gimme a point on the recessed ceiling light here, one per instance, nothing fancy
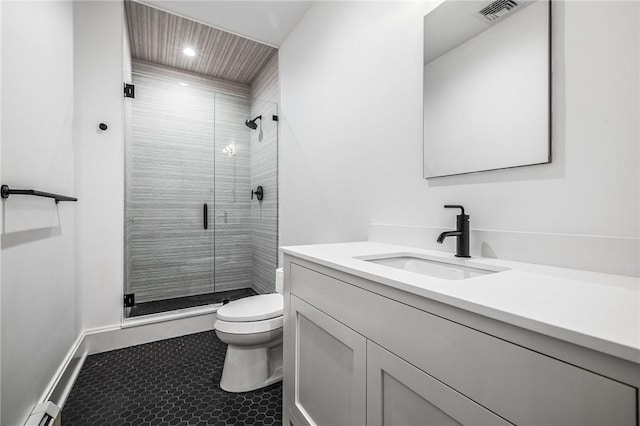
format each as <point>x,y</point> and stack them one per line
<point>181,83</point>
<point>189,51</point>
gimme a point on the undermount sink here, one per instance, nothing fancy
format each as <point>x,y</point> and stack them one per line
<point>433,267</point>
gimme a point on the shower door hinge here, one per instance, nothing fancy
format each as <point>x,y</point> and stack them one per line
<point>129,91</point>
<point>129,300</point>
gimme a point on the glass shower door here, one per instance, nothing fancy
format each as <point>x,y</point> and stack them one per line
<point>169,201</point>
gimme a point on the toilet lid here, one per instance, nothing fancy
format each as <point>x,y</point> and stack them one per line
<point>254,308</point>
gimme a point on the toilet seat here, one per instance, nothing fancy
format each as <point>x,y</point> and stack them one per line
<point>255,314</point>
<point>253,308</point>
<point>250,327</point>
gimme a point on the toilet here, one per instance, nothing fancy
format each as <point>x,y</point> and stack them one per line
<point>252,329</point>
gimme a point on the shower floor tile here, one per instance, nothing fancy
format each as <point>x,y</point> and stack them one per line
<point>166,305</point>
<point>170,382</point>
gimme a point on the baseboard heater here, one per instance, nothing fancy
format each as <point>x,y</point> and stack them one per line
<point>45,414</point>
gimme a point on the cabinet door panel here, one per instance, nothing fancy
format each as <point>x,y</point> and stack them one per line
<point>400,394</point>
<point>330,365</point>
<point>402,405</point>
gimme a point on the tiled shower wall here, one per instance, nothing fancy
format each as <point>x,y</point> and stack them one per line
<point>170,163</point>
<point>265,92</point>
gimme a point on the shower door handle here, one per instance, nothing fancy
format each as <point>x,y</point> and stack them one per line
<point>205,215</point>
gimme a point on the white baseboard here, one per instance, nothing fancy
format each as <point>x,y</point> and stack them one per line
<point>612,255</point>
<point>60,386</point>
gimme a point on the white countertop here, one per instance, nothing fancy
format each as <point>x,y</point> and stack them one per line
<point>594,310</point>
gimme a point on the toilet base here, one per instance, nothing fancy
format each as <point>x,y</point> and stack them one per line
<point>250,368</point>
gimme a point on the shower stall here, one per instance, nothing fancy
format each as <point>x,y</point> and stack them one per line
<point>195,231</point>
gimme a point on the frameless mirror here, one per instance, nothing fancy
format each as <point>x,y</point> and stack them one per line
<point>487,80</point>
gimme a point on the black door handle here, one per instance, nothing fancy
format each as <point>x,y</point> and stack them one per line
<point>205,215</point>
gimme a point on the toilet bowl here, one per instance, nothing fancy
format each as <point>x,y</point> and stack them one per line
<point>252,329</point>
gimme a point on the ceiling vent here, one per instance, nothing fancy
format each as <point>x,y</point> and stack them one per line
<point>498,9</point>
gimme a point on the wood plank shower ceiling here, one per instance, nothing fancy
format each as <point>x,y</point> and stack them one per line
<point>159,37</point>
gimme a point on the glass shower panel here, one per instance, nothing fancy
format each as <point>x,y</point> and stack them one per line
<point>232,195</point>
<point>169,179</point>
<point>246,228</point>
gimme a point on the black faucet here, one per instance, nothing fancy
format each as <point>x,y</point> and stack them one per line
<point>461,233</point>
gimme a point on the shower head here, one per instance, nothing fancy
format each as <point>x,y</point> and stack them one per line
<point>252,123</point>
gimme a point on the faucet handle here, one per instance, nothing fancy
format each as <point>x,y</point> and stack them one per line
<point>455,206</point>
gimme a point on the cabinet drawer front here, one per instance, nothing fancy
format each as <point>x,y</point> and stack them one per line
<point>520,385</point>
<point>330,365</point>
<point>400,394</point>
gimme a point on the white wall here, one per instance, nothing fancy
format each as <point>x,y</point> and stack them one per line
<point>352,139</point>
<point>38,242</point>
<point>98,66</point>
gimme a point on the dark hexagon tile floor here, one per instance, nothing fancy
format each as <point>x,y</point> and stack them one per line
<point>170,382</point>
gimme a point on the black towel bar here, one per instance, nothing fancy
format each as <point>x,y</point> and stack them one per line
<point>5,191</point>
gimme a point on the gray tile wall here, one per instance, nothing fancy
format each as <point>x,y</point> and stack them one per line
<point>170,159</point>
<point>266,85</point>
<point>151,69</point>
<point>177,160</point>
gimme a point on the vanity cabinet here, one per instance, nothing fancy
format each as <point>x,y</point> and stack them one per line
<point>359,353</point>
